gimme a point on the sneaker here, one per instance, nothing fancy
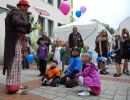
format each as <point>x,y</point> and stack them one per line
<point>92,93</point>
<point>44,83</point>
<point>116,75</point>
<point>22,92</point>
<point>104,72</point>
<point>127,73</point>
<point>84,93</point>
<point>120,74</point>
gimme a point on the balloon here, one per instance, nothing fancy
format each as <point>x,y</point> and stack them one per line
<point>65,7</point>
<point>30,58</point>
<point>78,13</point>
<point>83,9</point>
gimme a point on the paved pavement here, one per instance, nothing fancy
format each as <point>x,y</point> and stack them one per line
<point>112,88</point>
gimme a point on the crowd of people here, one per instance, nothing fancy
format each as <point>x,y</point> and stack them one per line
<point>81,70</point>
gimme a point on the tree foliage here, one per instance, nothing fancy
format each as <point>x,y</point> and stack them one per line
<point>110,29</point>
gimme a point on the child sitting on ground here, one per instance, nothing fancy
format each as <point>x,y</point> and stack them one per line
<point>75,66</point>
<point>89,78</point>
<point>52,77</point>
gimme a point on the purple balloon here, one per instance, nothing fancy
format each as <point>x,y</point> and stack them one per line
<point>65,7</point>
<point>83,9</point>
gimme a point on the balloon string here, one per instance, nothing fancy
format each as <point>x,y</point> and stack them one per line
<point>65,26</point>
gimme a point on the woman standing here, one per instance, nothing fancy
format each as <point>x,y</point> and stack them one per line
<point>117,58</point>
<point>102,48</point>
<point>126,50</point>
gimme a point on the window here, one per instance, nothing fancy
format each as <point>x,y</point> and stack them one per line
<point>50,28</point>
<point>59,24</point>
<point>58,3</point>
<point>50,2</point>
<point>42,22</point>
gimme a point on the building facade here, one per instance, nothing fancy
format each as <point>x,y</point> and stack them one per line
<point>54,19</point>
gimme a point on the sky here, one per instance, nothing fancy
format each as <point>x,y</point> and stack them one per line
<point>111,12</point>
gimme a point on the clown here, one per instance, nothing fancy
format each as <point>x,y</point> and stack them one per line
<point>16,25</point>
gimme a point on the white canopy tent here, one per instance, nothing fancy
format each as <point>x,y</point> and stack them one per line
<point>124,24</point>
<point>88,29</point>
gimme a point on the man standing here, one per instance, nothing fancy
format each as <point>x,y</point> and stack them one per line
<point>75,39</point>
<point>16,24</point>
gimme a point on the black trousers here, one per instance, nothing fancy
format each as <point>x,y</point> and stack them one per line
<point>42,66</point>
<point>25,63</point>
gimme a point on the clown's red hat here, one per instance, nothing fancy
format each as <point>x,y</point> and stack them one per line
<point>23,2</point>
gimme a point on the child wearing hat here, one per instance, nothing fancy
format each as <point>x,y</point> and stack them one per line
<point>42,53</point>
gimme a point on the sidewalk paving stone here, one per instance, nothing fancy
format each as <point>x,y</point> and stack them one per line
<point>49,96</point>
<point>106,96</point>
<point>72,97</point>
<point>34,92</point>
<point>122,93</point>
<point>91,97</point>
<point>60,95</point>
<point>109,92</point>
<point>112,88</point>
<point>51,92</point>
<point>128,98</point>
<point>60,98</point>
<point>119,97</point>
<point>104,99</point>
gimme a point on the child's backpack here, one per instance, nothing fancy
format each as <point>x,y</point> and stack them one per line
<point>71,83</point>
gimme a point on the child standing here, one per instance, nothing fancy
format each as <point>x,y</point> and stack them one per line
<point>117,57</point>
<point>42,53</point>
<point>62,56</point>
<point>25,63</point>
<point>52,77</point>
<point>67,53</point>
<point>57,55</point>
<point>89,77</point>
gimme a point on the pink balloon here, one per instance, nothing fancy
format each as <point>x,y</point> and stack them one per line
<point>83,9</point>
<point>65,7</point>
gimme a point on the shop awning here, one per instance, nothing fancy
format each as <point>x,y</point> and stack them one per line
<point>41,11</point>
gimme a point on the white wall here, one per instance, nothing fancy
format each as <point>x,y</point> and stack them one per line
<point>2,35</point>
<point>55,15</point>
<point>124,24</point>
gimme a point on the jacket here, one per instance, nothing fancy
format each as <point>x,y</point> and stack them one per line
<point>72,41</point>
<point>15,24</point>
